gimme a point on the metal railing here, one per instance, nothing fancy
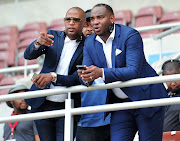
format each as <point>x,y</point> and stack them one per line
<point>69,111</point>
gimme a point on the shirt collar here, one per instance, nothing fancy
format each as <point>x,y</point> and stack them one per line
<point>67,39</point>
<point>112,35</point>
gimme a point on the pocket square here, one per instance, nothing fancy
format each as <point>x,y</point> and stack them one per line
<point>118,51</point>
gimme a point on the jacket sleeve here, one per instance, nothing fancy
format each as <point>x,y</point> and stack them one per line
<point>67,80</point>
<point>32,53</point>
<point>134,57</point>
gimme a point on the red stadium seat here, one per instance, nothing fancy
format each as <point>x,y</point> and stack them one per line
<point>153,11</point>
<point>10,80</point>
<point>25,43</point>
<point>7,52</point>
<point>4,91</point>
<point>29,34</point>
<point>2,65</point>
<point>36,26</point>
<point>55,24</point>
<point>171,136</point>
<point>123,17</point>
<point>58,27</point>
<point>20,51</point>
<point>170,17</point>
<point>20,58</point>
<point>8,30</point>
<point>148,16</point>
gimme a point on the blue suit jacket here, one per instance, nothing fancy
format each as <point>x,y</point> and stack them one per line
<point>129,64</point>
<point>52,56</point>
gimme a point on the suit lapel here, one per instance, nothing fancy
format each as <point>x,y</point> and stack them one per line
<point>77,52</point>
<point>115,45</point>
<point>100,55</point>
<point>60,45</point>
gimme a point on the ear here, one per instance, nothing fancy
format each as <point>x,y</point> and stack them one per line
<point>112,18</point>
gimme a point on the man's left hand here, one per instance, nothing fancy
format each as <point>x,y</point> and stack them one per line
<point>41,80</point>
<point>91,73</point>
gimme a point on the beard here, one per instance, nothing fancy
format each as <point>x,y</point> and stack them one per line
<point>177,90</point>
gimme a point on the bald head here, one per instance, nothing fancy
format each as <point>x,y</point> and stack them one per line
<point>80,11</point>
<point>171,67</point>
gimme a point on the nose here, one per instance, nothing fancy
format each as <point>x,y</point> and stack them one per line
<point>71,21</point>
<point>95,21</point>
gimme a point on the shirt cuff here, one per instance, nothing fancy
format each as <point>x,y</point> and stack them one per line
<point>103,77</point>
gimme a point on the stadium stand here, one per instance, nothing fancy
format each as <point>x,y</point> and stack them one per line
<point>20,51</point>
<point>123,17</point>
<point>8,44</point>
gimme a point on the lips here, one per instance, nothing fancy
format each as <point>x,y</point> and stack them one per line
<point>71,29</point>
<point>96,29</point>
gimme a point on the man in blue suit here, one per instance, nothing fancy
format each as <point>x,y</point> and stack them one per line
<point>94,126</point>
<point>63,51</point>
<point>115,53</point>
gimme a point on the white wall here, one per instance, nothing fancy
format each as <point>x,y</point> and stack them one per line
<point>47,10</point>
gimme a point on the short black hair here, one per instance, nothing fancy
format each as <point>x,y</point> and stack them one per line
<point>170,66</point>
<point>109,8</point>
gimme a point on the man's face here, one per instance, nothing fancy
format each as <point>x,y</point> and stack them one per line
<point>101,19</point>
<point>87,29</point>
<point>173,86</point>
<point>74,23</point>
<point>19,104</point>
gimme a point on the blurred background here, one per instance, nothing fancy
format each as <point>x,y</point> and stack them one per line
<point>22,20</point>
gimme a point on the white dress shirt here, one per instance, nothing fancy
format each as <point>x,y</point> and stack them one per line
<point>107,48</point>
<point>68,51</point>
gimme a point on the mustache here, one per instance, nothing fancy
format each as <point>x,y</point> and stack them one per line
<point>177,90</point>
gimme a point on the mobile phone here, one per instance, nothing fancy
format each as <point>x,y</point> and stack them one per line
<point>81,67</point>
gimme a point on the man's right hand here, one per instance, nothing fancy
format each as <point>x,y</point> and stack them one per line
<point>45,39</point>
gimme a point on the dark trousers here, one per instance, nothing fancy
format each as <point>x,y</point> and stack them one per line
<point>125,124</point>
<point>101,133</point>
<point>51,129</point>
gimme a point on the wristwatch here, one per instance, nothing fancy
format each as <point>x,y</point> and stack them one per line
<point>37,43</point>
<point>54,76</point>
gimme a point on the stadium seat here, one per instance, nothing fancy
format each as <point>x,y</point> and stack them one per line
<point>171,136</point>
<point>20,58</point>
<point>10,80</point>
<point>2,65</point>
<point>57,24</point>
<point>123,17</point>
<point>8,30</point>
<point>170,17</point>
<point>7,52</point>
<point>36,26</point>
<point>58,27</point>
<point>20,52</point>
<point>148,16</point>
<point>29,34</point>
<point>4,91</point>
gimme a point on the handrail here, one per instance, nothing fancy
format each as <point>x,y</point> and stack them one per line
<point>75,89</point>
<point>156,27</point>
<point>93,109</point>
<point>19,68</point>
<point>167,32</point>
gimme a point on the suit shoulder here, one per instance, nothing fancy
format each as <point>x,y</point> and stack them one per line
<point>55,32</point>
